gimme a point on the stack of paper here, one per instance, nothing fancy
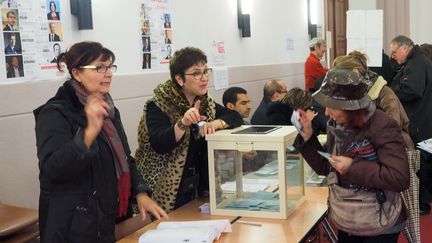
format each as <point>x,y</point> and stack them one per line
<point>202,231</point>
<point>425,145</point>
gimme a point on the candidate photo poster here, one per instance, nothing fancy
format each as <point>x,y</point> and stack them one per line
<point>156,28</point>
<point>32,38</point>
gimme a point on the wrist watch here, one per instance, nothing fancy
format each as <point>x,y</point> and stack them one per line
<point>224,125</point>
<point>181,125</point>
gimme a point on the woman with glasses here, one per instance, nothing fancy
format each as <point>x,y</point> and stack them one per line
<point>87,176</point>
<point>172,151</point>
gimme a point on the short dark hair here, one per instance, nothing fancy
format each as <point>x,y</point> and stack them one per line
<point>184,59</point>
<point>230,95</point>
<point>9,13</point>
<point>84,53</point>
<point>271,87</point>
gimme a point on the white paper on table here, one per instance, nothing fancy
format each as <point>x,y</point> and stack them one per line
<point>218,225</point>
<point>179,235</point>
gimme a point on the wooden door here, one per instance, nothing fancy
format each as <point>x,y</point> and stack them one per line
<point>335,22</point>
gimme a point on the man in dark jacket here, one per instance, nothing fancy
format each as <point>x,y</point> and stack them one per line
<point>274,90</point>
<point>413,86</point>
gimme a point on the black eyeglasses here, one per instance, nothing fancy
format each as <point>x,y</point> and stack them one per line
<point>198,75</point>
<point>101,68</point>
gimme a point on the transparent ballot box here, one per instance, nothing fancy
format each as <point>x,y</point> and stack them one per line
<point>255,172</point>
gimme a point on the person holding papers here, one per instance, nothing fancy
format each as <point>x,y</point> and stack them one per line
<point>87,177</point>
<point>172,151</point>
<point>366,158</point>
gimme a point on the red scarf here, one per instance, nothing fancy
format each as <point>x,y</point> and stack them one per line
<point>117,149</point>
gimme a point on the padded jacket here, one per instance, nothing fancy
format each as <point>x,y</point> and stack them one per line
<point>78,186</point>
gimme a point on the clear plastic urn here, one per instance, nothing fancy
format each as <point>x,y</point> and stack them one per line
<point>255,172</point>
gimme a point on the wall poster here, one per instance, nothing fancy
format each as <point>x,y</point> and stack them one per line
<point>31,39</point>
<point>156,34</point>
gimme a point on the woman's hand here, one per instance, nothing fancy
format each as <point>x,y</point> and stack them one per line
<point>192,115</point>
<point>146,204</point>
<point>305,121</point>
<point>96,110</point>
<point>343,163</point>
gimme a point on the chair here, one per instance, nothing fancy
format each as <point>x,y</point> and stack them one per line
<point>18,224</point>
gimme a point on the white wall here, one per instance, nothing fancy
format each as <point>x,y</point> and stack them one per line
<point>251,62</point>
<point>362,4</point>
<point>420,19</point>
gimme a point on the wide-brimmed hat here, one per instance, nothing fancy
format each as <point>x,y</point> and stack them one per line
<point>343,89</point>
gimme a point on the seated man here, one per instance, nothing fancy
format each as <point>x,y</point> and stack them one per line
<point>274,90</point>
<point>236,98</point>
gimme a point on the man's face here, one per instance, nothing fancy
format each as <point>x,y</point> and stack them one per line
<point>12,40</point>
<point>399,53</point>
<point>11,19</point>
<point>57,50</point>
<point>52,27</point>
<point>14,61</point>
<point>280,94</point>
<point>242,106</point>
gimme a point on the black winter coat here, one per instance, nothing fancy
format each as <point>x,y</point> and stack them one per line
<point>78,186</point>
<point>413,86</point>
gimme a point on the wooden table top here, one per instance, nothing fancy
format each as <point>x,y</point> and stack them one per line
<point>292,229</point>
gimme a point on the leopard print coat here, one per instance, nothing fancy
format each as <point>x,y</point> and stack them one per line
<point>163,172</point>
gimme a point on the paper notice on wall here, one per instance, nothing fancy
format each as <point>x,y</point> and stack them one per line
<point>156,28</point>
<point>32,38</point>
<point>365,34</point>
<point>220,75</point>
<point>218,52</point>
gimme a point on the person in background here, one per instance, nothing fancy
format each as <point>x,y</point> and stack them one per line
<point>14,69</point>
<point>145,28</point>
<point>167,39</point>
<point>365,143</point>
<point>167,23</point>
<point>87,177</point>
<point>10,21</point>
<point>237,99</point>
<point>427,50</point>
<point>378,91</point>
<point>172,150</point>
<point>313,68</point>
<point>56,51</point>
<point>168,52</point>
<point>146,61</point>
<point>413,86</point>
<point>13,46</point>
<point>279,113</point>
<point>53,14</point>
<point>274,90</point>
<point>52,36</point>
